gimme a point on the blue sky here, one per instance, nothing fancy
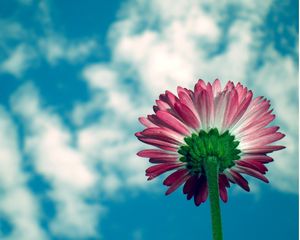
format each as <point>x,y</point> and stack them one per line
<point>75,76</point>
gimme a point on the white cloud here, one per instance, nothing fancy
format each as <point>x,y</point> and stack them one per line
<point>57,48</point>
<point>73,180</point>
<point>54,46</point>
<point>111,184</point>
<point>24,47</point>
<point>82,111</point>
<point>75,218</point>
<point>180,49</point>
<point>109,96</point>
<point>100,76</point>
<point>17,203</point>
<point>18,61</point>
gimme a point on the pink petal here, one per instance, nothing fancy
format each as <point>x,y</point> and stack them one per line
<point>154,171</point>
<point>187,115</point>
<point>229,86</point>
<point>258,166</point>
<point>242,108</point>
<point>169,98</point>
<point>146,122</point>
<point>163,133</point>
<point>186,98</point>
<point>156,121</point>
<point>220,107</point>
<point>201,191</point>
<point>155,153</point>
<point>210,104</point>
<point>224,179</point>
<point>159,139</point>
<point>173,122</point>
<point>167,148</point>
<point>222,190</point>
<point>138,134</point>
<point>242,91</point>
<point>260,158</point>
<point>216,87</point>
<point>202,108</point>
<point>155,108</point>
<point>258,124</point>
<point>200,85</point>
<point>263,150</point>
<point>179,181</point>
<point>267,139</point>
<point>252,173</point>
<point>164,160</point>
<point>157,142</point>
<point>184,94</point>
<point>174,176</point>
<point>162,105</point>
<point>239,179</point>
<point>260,132</point>
<point>189,186</point>
<point>231,109</point>
<point>259,104</point>
<point>256,110</point>
<point>205,108</point>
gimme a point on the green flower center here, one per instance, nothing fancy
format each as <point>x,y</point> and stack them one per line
<point>200,146</point>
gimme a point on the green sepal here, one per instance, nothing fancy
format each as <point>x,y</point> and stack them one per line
<point>198,147</point>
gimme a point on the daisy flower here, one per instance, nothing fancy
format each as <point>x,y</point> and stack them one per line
<point>209,137</point>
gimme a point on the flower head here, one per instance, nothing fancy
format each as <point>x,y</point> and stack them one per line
<point>227,126</point>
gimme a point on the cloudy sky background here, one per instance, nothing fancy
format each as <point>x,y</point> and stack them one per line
<point>76,75</point>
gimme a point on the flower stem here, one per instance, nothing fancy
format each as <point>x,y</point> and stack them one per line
<point>211,170</point>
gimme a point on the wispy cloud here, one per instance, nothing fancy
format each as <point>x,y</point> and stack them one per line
<point>17,204</point>
<point>19,60</point>
<point>56,48</point>
<point>49,145</point>
<point>24,49</point>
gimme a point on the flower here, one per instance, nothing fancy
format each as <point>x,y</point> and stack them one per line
<point>229,126</point>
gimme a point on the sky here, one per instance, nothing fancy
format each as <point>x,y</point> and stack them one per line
<point>76,75</point>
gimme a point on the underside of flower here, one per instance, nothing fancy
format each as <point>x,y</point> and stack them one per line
<point>225,127</point>
<point>200,146</point>
<point>209,137</point>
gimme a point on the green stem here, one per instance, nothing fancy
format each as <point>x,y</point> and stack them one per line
<point>211,170</point>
